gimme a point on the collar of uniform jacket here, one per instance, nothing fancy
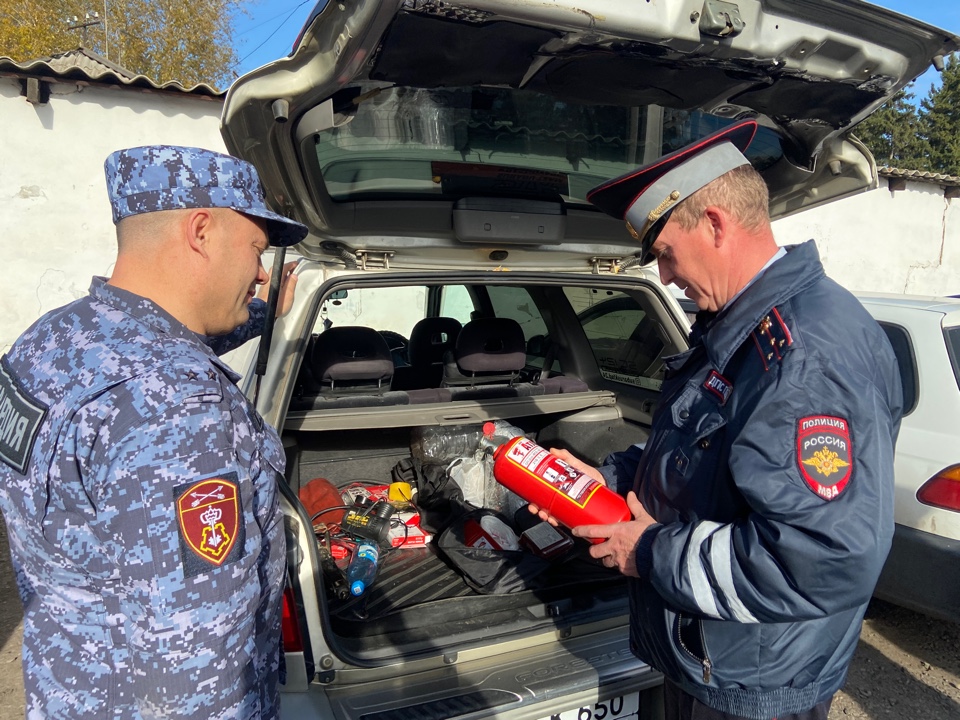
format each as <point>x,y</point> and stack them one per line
<point>800,269</point>
<point>148,312</point>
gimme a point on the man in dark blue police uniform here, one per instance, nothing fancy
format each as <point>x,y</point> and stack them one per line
<point>137,483</point>
<point>763,497</point>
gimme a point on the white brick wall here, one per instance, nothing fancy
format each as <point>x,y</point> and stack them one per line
<point>55,226</point>
<point>881,241</point>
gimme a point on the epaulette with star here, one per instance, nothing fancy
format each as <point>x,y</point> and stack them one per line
<point>772,339</point>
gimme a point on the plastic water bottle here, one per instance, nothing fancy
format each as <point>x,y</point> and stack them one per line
<point>363,567</point>
<point>442,444</point>
<point>496,496</point>
<point>496,433</point>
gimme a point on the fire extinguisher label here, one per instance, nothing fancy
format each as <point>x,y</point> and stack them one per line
<point>571,482</point>
<point>528,454</point>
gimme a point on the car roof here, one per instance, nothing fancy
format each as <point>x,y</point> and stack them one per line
<point>949,306</point>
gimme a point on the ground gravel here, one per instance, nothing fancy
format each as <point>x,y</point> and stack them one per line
<point>907,666</point>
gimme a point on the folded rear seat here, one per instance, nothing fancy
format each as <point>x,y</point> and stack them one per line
<point>561,384</point>
<point>486,361</point>
<point>430,339</point>
<point>351,367</point>
<point>540,346</point>
<point>348,366</point>
<point>429,395</point>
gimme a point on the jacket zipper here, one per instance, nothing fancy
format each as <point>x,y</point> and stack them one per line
<point>705,662</point>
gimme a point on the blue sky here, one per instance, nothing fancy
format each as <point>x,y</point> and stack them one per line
<point>268,30</point>
<point>941,13</point>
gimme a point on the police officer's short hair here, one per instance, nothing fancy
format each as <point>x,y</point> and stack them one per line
<point>742,192</point>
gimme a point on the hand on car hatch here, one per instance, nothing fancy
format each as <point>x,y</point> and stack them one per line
<point>577,464</point>
<point>288,287</point>
<point>619,550</point>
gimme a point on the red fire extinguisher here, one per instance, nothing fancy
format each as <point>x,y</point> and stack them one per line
<point>545,480</point>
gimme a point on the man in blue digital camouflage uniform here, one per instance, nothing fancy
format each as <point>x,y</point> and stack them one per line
<point>137,482</point>
<point>763,497</point>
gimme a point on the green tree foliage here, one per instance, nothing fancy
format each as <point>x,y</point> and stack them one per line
<point>927,137</point>
<point>190,41</point>
<point>893,134</point>
<point>940,120</point>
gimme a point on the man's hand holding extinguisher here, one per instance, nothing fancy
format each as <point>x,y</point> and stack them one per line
<point>621,538</point>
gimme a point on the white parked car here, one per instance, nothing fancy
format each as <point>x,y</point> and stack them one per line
<point>455,273</point>
<point>923,569</point>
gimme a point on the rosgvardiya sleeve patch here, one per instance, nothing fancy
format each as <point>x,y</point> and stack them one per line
<point>210,522</point>
<point>824,454</point>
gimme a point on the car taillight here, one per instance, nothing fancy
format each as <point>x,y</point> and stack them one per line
<point>942,490</point>
<point>292,642</point>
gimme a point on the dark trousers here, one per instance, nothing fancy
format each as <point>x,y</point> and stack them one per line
<point>678,705</point>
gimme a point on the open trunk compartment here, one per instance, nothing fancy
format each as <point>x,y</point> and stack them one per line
<point>420,603</point>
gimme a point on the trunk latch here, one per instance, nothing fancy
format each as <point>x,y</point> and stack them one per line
<point>719,19</point>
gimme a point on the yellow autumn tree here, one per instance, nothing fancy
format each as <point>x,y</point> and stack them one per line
<point>189,41</point>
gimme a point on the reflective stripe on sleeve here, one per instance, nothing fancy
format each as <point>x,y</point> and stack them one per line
<point>721,551</point>
<point>702,591</point>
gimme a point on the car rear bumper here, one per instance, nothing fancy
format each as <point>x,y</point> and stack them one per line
<point>574,674</point>
<point>922,573</point>
<point>644,696</point>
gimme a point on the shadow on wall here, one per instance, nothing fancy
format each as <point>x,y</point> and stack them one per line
<point>176,105</point>
<point>11,91</point>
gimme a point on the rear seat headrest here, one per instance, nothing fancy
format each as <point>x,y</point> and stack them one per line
<point>351,356</point>
<point>491,345</point>
<point>431,338</point>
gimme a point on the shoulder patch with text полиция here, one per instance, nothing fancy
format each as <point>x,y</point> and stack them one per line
<point>20,418</point>
<point>824,454</point>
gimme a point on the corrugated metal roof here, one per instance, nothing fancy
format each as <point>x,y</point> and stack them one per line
<point>919,176</point>
<point>84,64</point>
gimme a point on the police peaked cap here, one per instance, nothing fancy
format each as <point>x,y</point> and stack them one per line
<point>644,197</point>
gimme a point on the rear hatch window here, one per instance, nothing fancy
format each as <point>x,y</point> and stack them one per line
<point>451,142</point>
<point>906,362</point>
<point>952,335</point>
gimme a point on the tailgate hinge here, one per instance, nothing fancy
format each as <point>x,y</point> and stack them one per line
<point>374,259</point>
<point>612,265</point>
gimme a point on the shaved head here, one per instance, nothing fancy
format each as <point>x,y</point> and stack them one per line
<point>147,227</point>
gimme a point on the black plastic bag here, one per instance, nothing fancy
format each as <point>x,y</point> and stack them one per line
<point>439,499</point>
<point>488,571</point>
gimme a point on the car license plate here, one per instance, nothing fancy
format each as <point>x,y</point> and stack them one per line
<point>616,708</point>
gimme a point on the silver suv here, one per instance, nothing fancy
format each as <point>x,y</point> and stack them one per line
<point>454,274</point>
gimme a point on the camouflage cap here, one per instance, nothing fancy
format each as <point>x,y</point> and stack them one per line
<point>168,177</point>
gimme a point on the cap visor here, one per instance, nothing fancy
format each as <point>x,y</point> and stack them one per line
<point>281,231</point>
